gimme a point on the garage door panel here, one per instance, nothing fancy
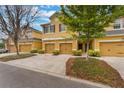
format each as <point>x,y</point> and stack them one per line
<point>25,48</point>
<point>12,48</point>
<point>112,49</point>
<point>66,48</point>
<point>49,48</point>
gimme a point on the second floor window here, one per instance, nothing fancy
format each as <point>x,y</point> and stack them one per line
<point>52,28</point>
<point>62,27</point>
<point>49,29</point>
<point>45,29</point>
<point>119,24</point>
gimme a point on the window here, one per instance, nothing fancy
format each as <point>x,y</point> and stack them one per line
<point>45,29</point>
<point>52,28</point>
<point>49,29</point>
<point>117,24</point>
<point>62,27</point>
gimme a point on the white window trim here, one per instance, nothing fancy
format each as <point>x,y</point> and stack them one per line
<point>121,22</point>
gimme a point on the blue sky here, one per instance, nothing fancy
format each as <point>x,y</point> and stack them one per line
<point>46,12</point>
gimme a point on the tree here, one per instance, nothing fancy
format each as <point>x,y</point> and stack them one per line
<point>89,21</point>
<point>2,45</point>
<point>15,20</point>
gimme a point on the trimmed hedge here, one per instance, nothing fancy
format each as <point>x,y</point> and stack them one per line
<point>40,51</point>
<point>77,52</point>
<point>94,53</point>
<point>34,51</point>
<point>56,52</point>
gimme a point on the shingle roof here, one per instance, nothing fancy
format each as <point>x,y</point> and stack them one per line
<point>115,32</point>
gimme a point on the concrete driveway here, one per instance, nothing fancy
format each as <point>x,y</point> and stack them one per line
<point>45,62</point>
<point>117,63</point>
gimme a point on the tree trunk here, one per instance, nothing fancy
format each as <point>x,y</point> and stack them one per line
<point>87,56</point>
<point>16,46</point>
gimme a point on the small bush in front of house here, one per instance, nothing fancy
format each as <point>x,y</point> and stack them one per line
<point>34,51</point>
<point>94,53</point>
<point>56,52</point>
<point>77,52</point>
<point>91,52</point>
<point>40,51</point>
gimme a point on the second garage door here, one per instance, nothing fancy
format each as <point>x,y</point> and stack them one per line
<point>66,48</point>
<point>12,48</point>
<point>49,48</point>
<point>112,49</point>
<point>25,48</point>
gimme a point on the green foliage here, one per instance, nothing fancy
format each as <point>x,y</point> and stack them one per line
<point>40,51</point>
<point>56,52</point>
<point>94,53</point>
<point>89,21</point>
<point>77,52</point>
<point>34,51</point>
<point>2,45</point>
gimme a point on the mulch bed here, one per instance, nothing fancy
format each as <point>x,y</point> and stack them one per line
<point>95,70</point>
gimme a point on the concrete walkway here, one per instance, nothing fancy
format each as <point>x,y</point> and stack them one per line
<point>45,62</point>
<point>117,63</point>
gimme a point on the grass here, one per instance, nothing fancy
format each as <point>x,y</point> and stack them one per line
<point>94,70</point>
<point>14,57</point>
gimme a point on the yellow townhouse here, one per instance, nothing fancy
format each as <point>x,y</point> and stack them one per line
<point>31,40</point>
<point>56,37</point>
<point>113,43</point>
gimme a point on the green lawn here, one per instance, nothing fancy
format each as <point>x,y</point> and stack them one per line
<point>14,57</point>
<point>94,70</point>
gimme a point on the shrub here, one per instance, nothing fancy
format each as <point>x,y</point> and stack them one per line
<point>94,53</point>
<point>34,51</point>
<point>40,51</point>
<point>56,52</point>
<point>77,53</point>
<point>91,52</point>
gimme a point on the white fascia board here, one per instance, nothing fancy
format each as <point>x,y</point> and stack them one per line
<point>46,39</point>
<point>117,40</point>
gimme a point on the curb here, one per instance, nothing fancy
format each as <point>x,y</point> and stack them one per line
<point>61,76</point>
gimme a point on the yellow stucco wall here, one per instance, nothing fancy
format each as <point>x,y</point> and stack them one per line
<point>36,45</point>
<point>58,42</point>
<point>23,46</point>
<point>96,42</point>
<point>36,34</point>
<point>56,34</point>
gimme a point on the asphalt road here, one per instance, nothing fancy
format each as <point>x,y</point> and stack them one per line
<point>14,77</point>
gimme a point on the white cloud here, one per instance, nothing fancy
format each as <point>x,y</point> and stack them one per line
<point>45,13</point>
